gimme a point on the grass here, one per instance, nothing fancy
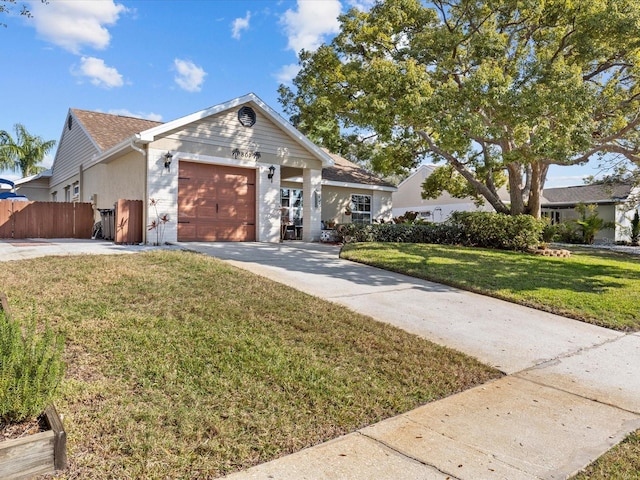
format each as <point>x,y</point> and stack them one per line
<point>621,462</point>
<point>181,366</point>
<point>593,286</point>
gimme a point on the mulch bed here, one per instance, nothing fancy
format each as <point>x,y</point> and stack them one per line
<point>10,431</point>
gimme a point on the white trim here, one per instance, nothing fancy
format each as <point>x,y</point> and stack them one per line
<point>363,186</point>
<point>77,123</point>
<point>150,135</point>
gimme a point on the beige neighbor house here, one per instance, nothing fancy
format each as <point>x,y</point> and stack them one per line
<point>612,205</point>
<point>233,172</point>
<point>408,198</point>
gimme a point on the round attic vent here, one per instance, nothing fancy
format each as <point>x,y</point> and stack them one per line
<point>247,117</point>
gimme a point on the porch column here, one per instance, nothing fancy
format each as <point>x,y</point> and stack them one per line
<point>311,204</point>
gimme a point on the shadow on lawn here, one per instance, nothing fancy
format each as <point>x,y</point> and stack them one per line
<point>513,271</point>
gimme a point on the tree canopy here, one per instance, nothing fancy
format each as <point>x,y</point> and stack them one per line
<point>496,90</point>
<point>24,152</point>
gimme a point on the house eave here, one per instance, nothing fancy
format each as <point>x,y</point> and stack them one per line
<point>117,150</point>
<point>573,204</point>
<point>364,186</point>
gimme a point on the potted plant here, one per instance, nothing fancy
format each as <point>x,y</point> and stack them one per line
<point>31,369</point>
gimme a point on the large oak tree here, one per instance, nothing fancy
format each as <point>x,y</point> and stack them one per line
<point>497,90</point>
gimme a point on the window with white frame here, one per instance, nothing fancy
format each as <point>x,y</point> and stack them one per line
<point>76,190</point>
<point>291,206</point>
<point>67,193</point>
<point>361,208</point>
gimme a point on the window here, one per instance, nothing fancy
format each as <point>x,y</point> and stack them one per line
<point>67,193</point>
<point>291,206</point>
<point>361,209</point>
<point>54,197</point>
<point>76,190</point>
<point>553,215</point>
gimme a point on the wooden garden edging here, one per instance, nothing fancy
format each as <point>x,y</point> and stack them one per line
<point>38,454</point>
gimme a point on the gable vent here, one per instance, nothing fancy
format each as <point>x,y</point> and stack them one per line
<point>247,117</point>
<point>70,122</point>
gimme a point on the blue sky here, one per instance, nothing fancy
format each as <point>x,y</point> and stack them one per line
<point>159,59</point>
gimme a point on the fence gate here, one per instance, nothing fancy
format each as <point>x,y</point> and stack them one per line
<point>45,219</point>
<point>128,223</point>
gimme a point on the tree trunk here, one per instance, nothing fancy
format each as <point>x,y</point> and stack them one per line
<point>538,177</point>
<point>515,188</point>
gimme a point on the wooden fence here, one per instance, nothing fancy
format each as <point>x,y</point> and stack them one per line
<point>45,219</point>
<point>128,221</point>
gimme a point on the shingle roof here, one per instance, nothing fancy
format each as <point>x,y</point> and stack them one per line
<point>109,130</point>
<point>348,172</point>
<point>597,193</point>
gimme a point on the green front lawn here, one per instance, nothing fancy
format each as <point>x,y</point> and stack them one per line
<point>181,366</point>
<point>593,286</point>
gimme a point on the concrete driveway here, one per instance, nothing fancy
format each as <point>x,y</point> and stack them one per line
<point>571,392</point>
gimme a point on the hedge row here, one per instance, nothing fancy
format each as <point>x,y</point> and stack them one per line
<point>473,229</point>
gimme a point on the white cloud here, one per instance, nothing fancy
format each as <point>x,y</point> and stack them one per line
<point>72,24</point>
<point>308,26</point>
<point>240,24</point>
<point>287,73</point>
<point>98,72</point>
<point>156,117</point>
<point>190,77</point>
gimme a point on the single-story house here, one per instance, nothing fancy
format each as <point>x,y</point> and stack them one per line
<point>557,203</point>
<point>408,198</point>
<point>236,171</point>
<point>35,187</point>
<point>612,205</point>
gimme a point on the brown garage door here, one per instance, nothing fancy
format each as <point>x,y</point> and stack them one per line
<point>216,203</point>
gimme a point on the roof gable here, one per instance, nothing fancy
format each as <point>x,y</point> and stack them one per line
<point>155,132</point>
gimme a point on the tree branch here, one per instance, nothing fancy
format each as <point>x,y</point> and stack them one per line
<point>480,187</point>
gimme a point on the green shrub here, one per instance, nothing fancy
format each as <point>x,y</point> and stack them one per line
<point>480,229</point>
<point>497,230</point>
<point>567,232</point>
<point>31,368</point>
<point>635,229</point>
<point>589,223</point>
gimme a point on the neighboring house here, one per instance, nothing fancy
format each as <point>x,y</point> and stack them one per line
<point>233,172</point>
<point>612,203</point>
<point>408,198</point>
<point>35,187</point>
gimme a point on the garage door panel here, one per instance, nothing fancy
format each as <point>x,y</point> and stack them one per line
<point>235,233</point>
<point>187,232</point>
<point>216,203</point>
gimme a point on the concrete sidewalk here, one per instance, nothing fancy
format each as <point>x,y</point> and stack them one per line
<point>572,389</point>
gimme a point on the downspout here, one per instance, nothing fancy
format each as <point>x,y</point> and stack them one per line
<point>145,213</point>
